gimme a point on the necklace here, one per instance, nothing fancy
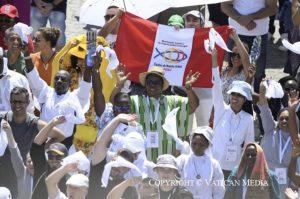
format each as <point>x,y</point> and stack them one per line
<point>198,176</point>
<point>46,63</point>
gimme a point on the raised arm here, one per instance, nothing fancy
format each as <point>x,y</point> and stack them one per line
<point>100,147</point>
<point>217,95</point>
<point>99,101</point>
<point>268,122</point>
<point>16,158</point>
<point>292,121</point>
<point>292,170</point>
<point>111,24</point>
<point>48,130</point>
<point>53,179</point>
<point>242,51</point>
<point>121,78</point>
<point>193,98</point>
<point>117,191</point>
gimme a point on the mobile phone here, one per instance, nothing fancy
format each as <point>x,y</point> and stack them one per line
<point>91,37</point>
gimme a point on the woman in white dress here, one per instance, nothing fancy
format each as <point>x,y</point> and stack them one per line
<point>201,173</point>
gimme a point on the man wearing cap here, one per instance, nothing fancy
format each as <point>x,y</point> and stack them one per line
<point>54,155</point>
<point>176,21</point>
<point>167,171</point>
<point>152,108</point>
<point>233,127</point>
<point>195,19</point>
<point>5,193</point>
<point>251,19</point>
<point>9,16</point>
<point>77,184</point>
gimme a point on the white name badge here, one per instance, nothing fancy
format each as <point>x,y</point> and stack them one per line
<point>231,153</point>
<point>152,139</point>
<point>281,174</point>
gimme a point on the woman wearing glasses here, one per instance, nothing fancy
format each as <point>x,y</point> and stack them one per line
<point>277,142</point>
<point>238,65</point>
<point>252,177</point>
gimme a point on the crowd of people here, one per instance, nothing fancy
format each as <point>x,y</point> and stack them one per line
<point>71,130</point>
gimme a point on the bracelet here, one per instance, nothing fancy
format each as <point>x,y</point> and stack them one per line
<point>188,87</point>
<point>27,57</point>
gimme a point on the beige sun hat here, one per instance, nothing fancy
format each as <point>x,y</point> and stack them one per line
<point>157,71</point>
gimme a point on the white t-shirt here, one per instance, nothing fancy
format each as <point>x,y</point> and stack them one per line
<point>245,7</point>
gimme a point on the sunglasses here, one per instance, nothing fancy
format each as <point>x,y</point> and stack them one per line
<point>18,102</point>
<point>55,156</point>
<point>36,39</point>
<point>235,55</point>
<point>108,17</point>
<point>122,108</point>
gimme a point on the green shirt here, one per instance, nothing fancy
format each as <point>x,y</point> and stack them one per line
<point>143,106</point>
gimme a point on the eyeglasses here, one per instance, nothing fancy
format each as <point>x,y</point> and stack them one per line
<point>153,82</point>
<point>18,102</point>
<point>235,55</point>
<point>52,156</point>
<point>122,108</point>
<point>36,39</point>
<point>108,17</point>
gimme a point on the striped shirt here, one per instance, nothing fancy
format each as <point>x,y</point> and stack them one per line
<point>143,106</point>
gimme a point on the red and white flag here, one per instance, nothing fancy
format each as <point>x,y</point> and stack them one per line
<point>142,44</point>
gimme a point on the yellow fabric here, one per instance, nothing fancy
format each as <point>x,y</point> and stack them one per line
<point>86,133</point>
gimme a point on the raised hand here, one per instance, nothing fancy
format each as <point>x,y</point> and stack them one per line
<point>126,118</point>
<point>121,76</point>
<point>191,78</point>
<point>293,100</point>
<point>6,127</point>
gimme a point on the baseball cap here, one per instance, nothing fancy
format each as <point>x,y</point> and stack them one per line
<point>58,148</point>
<point>195,13</point>
<point>10,11</point>
<point>78,180</point>
<point>166,161</point>
<point>176,20</point>
<point>4,193</point>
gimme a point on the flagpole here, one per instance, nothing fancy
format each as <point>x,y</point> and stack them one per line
<point>124,5</point>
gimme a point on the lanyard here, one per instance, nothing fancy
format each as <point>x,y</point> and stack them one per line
<point>156,110</point>
<point>232,133</point>
<point>282,150</point>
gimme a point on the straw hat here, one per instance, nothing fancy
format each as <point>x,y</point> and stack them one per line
<point>157,71</point>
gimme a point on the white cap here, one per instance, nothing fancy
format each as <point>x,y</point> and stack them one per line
<point>166,161</point>
<point>4,193</point>
<point>195,13</point>
<point>242,88</point>
<point>78,180</point>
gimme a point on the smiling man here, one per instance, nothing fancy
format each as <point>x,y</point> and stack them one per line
<point>58,100</point>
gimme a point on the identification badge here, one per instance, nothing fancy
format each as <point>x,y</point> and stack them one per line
<point>231,152</point>
<point>281,174</point>
<point>152,139</point>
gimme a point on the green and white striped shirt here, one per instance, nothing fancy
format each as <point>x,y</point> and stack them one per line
<point>141,105</point>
